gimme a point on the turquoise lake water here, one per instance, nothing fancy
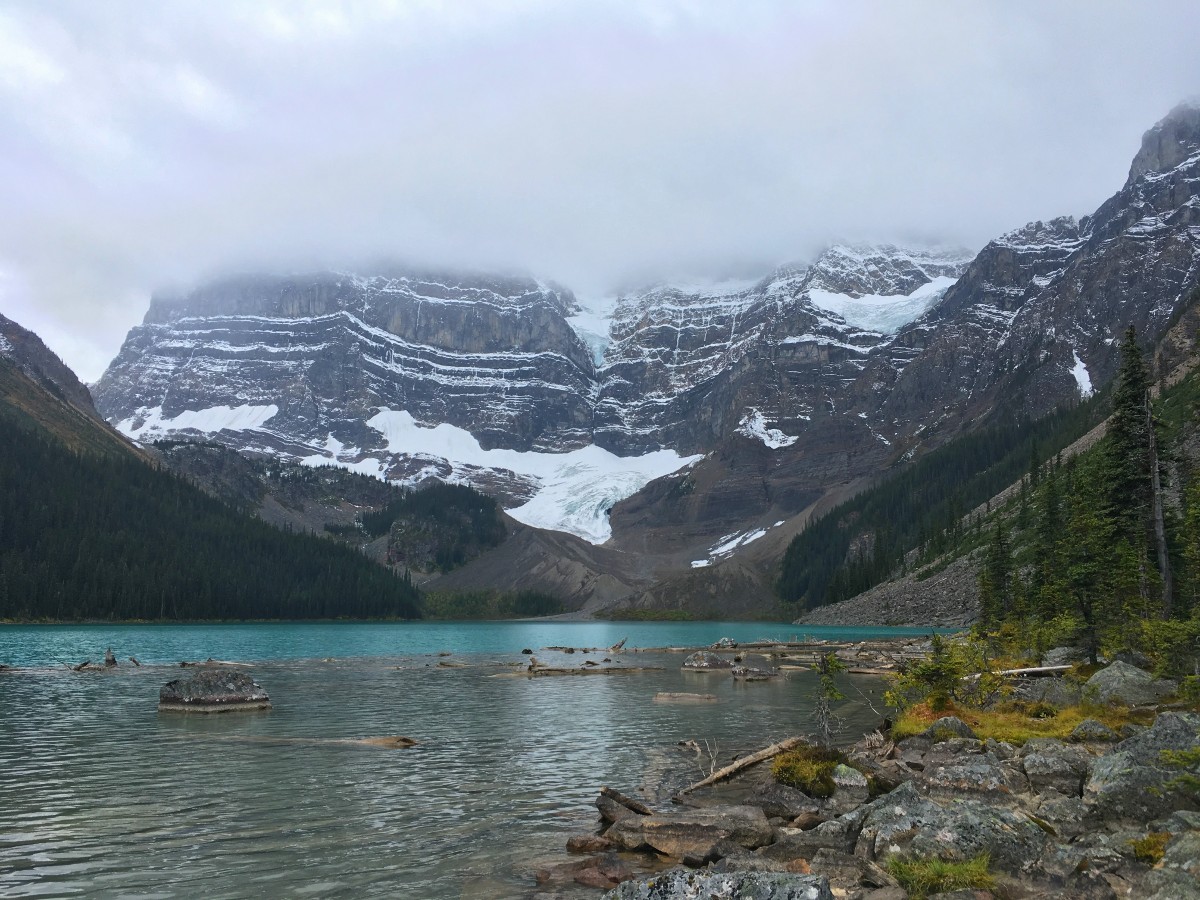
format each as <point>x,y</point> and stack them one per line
<point>102,796</point>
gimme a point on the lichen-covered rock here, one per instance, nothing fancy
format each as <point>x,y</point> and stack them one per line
<point>782,801</point>
<point>1052,765</point>
<point>685,884</point>
<point>1120,682</point>
<point>694,832</point>
<point>1092,731</point>
<point>850,790</point>
<point>837,834</point>
<point>1170,731</point>
<point>970,775</point>
<point>903,822</point>
<point>1064,814</point>
<point>213,690</point>
<point>705,659</point>
<point>1057,692</point>
<point>948,727</point>
<point>1120,788</point>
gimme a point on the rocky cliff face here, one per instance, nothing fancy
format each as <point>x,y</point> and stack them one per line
<point>42,365</point>
<point>756,398</point>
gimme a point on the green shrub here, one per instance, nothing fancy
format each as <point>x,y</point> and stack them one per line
<point>808,768</point>
<point>1150,849</point>
<point>922,877</point>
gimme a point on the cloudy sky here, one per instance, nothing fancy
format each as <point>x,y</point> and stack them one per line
<point>148,144</point>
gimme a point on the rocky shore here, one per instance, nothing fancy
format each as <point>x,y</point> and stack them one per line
<point>1100,814</point>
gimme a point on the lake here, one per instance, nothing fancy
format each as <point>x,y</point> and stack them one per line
<point>102,796</point>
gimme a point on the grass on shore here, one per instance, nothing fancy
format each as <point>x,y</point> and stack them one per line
<point>1016,723</point>
<point>808,768</point>
<point>922,877</point>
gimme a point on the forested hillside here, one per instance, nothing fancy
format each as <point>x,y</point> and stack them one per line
<point>91,536</point>
<point>1103,550</point>
<point>917,513</point>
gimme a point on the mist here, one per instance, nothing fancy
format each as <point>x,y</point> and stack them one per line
<point>598,144</point>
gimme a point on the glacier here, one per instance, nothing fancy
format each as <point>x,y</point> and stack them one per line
<point>575,490</point>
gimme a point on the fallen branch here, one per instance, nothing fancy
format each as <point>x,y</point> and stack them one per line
<point>1032,670</point>
<point>134,660</point>
<point>746,761</point>
<point>83,665</point>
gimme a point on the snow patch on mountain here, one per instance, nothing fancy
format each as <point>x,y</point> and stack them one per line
<point>882,313</point>
<point>150,424</point>
<point>1082,377</point>
<point>5,346</point>
<point>575,490</point>
<point>754,426</point>
<point>726,545</point>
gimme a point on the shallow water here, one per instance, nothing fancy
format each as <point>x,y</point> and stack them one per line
<point>101,796</point>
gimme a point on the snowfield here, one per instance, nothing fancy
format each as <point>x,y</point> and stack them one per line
<point>207,421</point>
<point>754,426</point>
<point>882,314</point>
<point>1082,377</point>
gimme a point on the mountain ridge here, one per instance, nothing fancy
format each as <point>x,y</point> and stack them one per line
<point>785,387</point>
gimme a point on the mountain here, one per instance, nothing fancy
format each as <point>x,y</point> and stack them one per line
<point>90,528</point>
<point>688,431</point>
<point>39,392</point>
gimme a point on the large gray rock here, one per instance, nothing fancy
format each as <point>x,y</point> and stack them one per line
<point>686,884</point>
<point>1091,731</point>
<point>693,833</point>
<point>1052,765</point>
<point>1170,731</point>
<point>1064,814</point>
<point>1120,682</point>
<point>1122,789</point>
<point>213,690</point>
<point>781,801</point>
<point>705,659</point>
<point>948,727</point>
<point>850,790</point>
<point>903,822</point>
<point>838,834</point>
<point>1057,692</point>
<point>979,775</point>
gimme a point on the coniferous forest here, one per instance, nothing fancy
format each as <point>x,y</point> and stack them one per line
<point>869,538</point>
<point>1103,549</point>
<point>84,536</point>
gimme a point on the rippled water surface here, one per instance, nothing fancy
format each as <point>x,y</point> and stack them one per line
<point>102,796</point>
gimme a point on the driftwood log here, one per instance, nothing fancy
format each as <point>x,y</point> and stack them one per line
<point>629,803</point>
<point>83,665</point>
<point>134,660</point>
<point>746,761</point>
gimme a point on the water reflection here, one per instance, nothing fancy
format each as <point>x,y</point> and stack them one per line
<point>102,796</point>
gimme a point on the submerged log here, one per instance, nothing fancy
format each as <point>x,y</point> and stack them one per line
<point>134,660</point>
<point>681,697</point>
<point>628,802</point>
<point>745,762</point>
<point>83,665</point>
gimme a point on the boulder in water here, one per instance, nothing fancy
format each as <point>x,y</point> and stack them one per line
<point>706,660</point>
<point>213,690</point>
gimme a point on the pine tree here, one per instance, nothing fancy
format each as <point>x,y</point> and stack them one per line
<point>1134,489</point>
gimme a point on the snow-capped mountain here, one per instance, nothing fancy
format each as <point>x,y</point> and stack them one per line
<point>502,382</point>
<point>675,417</point>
